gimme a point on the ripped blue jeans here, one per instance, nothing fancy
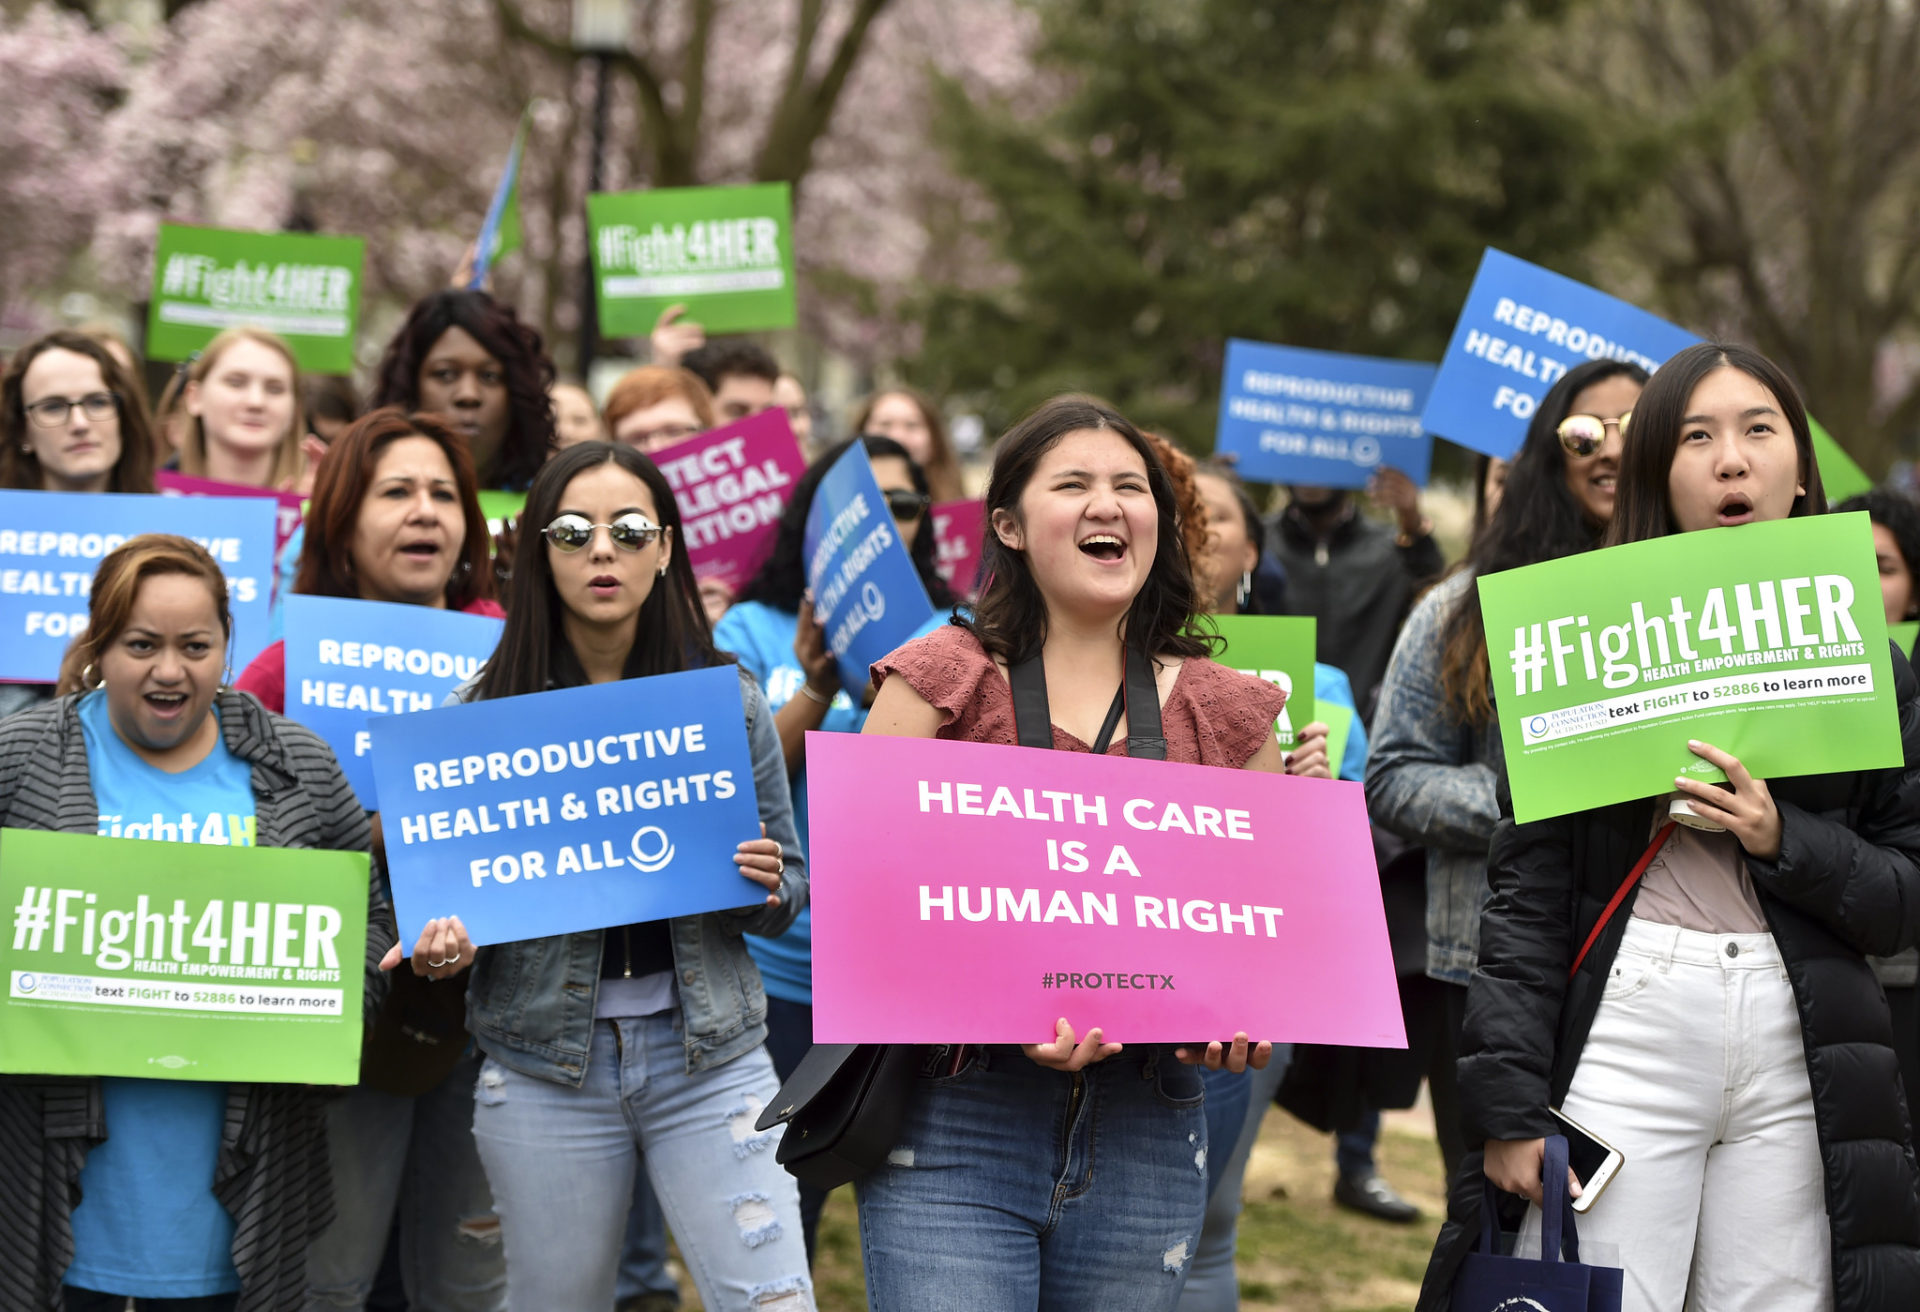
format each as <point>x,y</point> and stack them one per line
<point>562,1161</point>
<point>1013,1187</point>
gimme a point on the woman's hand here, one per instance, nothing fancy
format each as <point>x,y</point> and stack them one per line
<point>759,859</point>
<point>1308,759</point>
<point>1748,812</point>
<point>1515,1165</point>
<point>811,650</point>
<point>1063,1054</point>
<point>1236,1056</point>
<point>444,950</point>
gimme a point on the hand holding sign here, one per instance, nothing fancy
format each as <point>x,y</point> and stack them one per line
<point>1748,812</point>
<point>759,859</point>
<point>442,951</point>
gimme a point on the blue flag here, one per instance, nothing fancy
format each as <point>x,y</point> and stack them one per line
<point>500,233</point>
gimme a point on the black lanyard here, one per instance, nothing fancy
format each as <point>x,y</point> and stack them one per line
<point>1138,695</point>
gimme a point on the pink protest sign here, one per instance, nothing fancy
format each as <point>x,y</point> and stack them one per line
<point>959,530</point>
<point>174,484</point>
<point>732,483</point>
<point>963,892</point>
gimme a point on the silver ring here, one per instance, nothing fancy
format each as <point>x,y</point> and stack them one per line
<point>779,865</point>
<point>436,965</point>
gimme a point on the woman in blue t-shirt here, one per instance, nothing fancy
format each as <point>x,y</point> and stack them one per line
<point>177,1193</point>
<point>771,629</point>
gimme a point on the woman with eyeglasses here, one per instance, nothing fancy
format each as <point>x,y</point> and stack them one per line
<point>395,517</point>
<point>1435,758</point>
<point>1722,1028</point>
<point>71,420</point>
<point>642,1044</point>
<point>655,406</point>
<point>772,631</point>
<point>176,1193</point>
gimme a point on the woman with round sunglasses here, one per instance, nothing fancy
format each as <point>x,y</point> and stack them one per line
<point>395,517</point>
<point>1722,1029</point>
<point>1068,1173</point>
<point>641,1043</point>
<point>772,632</point>
<point>1435,757</point>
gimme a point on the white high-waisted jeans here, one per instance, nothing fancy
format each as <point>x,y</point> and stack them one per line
<point>1695,1070</point>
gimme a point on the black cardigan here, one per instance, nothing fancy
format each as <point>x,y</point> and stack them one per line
<point>1846,884</point>
<point>272,1174</point>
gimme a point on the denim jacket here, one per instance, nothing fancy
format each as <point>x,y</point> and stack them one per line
<point>530,1004</point>
<point>1431,780</point>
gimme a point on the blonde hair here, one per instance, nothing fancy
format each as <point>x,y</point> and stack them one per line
<point>649,385</point>
<point>193,436</point>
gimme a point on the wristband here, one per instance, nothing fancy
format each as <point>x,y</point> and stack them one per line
<point>811,695</point>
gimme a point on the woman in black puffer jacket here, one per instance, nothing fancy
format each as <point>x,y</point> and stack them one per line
<point>1725,1032</point>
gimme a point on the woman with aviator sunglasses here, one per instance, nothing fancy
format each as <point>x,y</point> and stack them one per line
<point>641,1043</point>
<point>1436,756</point>
<point>772,631</point>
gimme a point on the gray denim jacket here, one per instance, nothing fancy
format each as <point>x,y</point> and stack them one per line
<point>1431,780</point>
<point>530,1004</point>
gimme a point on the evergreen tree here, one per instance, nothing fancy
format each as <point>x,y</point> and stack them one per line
<point>1320,173</point>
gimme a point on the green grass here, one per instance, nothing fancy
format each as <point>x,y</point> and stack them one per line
<point>1297,1250</point>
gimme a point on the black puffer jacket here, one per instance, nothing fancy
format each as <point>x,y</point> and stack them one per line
<point>1847,883</point>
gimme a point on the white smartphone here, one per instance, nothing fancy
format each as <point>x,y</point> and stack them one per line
<point>1595,1161</point>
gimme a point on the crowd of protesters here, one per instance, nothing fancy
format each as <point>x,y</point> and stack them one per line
<point>533,1119</point>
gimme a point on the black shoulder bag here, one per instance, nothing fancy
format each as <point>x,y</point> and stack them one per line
<point>843,1104</point>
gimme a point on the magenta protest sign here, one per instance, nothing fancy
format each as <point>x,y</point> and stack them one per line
<point>171,483</point>
<point>732,483</point>
<point>959,534</point>
<point>963,892</point>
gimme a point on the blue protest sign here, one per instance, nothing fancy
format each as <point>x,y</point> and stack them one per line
<point>866,592</point>
<point>1321,419</point>
<point>1523,327</point>
<point>349,660</point>
<point>569,810</point>
<point>53,542</point>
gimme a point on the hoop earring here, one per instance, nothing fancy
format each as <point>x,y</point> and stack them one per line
<point>87,674</point>
<point>1245,590</point>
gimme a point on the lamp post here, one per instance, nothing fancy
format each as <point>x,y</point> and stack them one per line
<point>599,32</point>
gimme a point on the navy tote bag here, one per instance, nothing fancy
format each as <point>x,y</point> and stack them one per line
<point>1491,1282</point>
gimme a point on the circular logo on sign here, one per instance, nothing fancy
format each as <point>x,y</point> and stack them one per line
<point>1537,725</point>
<point>27,983</point>
<point>650,863</point>
<point>1366,451</point>
<point>170,1062</point>
<point>873,601</point>
<point>1513,1304</point>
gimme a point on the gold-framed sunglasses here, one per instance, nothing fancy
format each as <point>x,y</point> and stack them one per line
<point>1582,435</point>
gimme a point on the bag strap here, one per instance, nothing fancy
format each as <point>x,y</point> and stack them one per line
<point>1620,895</point>
<point>1139,694</point>
<point>1557,1227</point>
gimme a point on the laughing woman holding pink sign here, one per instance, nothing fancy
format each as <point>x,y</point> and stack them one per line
<point>990,1197</point>
<point>1708,1009</point>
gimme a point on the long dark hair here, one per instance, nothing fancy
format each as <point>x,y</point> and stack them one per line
<point>326,555</point>
<point>518,348</point>
<point>1010,618</point>
<point>1537,520</point>
<point>782,577</point>
<point>671,632</point>
<point>1643,507</point>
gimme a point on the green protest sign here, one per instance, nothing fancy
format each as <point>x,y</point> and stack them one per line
<point>305,288</point>
<point>181,961</point>
<point>726,253</point>
<point>1903,636</point>
<point>500,506</point>
<point>1839,475</point>
<point>1279,649</point>
<point>1339,722</point>
<point>1767,641</point>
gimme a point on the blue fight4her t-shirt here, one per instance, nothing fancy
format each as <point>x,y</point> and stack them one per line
<point>148,1224</point>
